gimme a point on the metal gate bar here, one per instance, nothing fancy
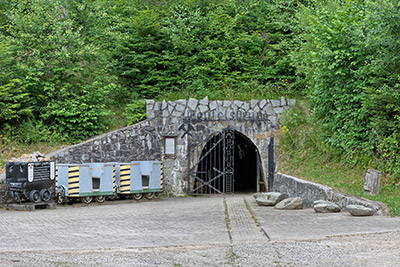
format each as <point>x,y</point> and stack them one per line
<point>213,172</point>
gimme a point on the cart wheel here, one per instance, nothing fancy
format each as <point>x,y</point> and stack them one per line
<point>60,199</point>
<point>34,196</point>
<point>157,195</point>
<point>45,194</point>
<point>149,195</point>
<point>87,199</point>
<point>137,196</point>
<point>100,199</point>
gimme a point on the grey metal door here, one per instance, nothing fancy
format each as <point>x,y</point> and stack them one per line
<point>211,168</point>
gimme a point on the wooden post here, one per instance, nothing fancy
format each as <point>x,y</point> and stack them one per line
<point>372,182</point>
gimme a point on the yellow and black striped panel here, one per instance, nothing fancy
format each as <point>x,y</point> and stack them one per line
<point>56,175</point>
<point>114,182</point>
<point>73,181</point>
<point>125,179</point>
<point>162,177</point>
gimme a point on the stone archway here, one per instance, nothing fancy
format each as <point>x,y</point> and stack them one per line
<point>175,133</point>
<point>229,162</point>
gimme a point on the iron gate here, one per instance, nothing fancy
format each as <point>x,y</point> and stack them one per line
<point>211,168</point>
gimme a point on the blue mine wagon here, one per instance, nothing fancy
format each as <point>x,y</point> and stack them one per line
<point>102,180</point>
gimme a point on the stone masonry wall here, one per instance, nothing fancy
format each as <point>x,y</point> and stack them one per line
<point>136,142</point>
<point>310,192</point>
<point>257,120</point>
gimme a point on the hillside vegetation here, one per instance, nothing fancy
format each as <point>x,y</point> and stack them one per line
<point>71,69</point>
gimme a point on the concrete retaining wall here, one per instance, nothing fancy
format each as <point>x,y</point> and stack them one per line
<point>310,192</point>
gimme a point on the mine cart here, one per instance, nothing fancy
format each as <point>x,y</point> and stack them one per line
<point>31,181</point>
<point>85,182</point>
<point>139,177</point>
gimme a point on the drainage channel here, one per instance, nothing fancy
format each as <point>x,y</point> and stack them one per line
<point>242,223</point>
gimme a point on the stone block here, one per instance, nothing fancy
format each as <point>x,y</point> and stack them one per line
<point>176,113</point>
<point>181,102</point>
<point>372,182</point>
<point>213,105</point>
<point>270,198</point>
<point>227,103</point>
<point>322,206</point>
<point>163,104</point>
<point>253,103</point>
<point>157,106</point>
<point>269,110</point>
<point>171,103</point>
<point>262,103</point>
<point>202,108</point>
<point>246,106</point>
<point>149,104</point>
<point>165,113</point>
<point>170,108</point>
<point>290,204</point>
<point>180,107</point>
<point>283,101</point>
<point>358,210</point>
<point>192,103</point>
<point>204,101</point>
<point>150,114</point>
<point>275,103</point>
<point>278,110</point>
<point>239,104</point>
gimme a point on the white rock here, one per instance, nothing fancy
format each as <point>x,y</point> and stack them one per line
<point>358,210</point>
<point>269,199</point>
<point>290,204</point>
<point>326,207</point>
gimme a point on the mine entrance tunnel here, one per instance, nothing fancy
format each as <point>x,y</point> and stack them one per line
<point>246,165</point>
<point>229,163</point>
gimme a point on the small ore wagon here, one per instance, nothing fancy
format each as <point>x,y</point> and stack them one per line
<point>30,181</point>
<point>102,180</point>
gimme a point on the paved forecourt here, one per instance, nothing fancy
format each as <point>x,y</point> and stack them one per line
<point>193,231</point>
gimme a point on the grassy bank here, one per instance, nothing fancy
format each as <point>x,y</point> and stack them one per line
<point>304,154</point>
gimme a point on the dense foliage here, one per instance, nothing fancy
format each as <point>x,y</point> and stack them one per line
<point>69,67</point>
<point>65,63</point>
<point>213,48</point>
<point>350,57</point>
<point>52,73</point>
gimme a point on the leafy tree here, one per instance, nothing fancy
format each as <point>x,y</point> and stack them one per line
<point>64,75</point>
<point>348,56</point>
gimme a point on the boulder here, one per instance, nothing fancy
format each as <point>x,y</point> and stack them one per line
<point>322,206</point>
<point>269,199</point>
<point>321,201</point>
<point>358,210</point>
<point>290,204</point>
<point>257,195</point>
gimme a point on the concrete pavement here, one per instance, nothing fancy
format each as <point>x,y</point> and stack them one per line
<point>194,231</point>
